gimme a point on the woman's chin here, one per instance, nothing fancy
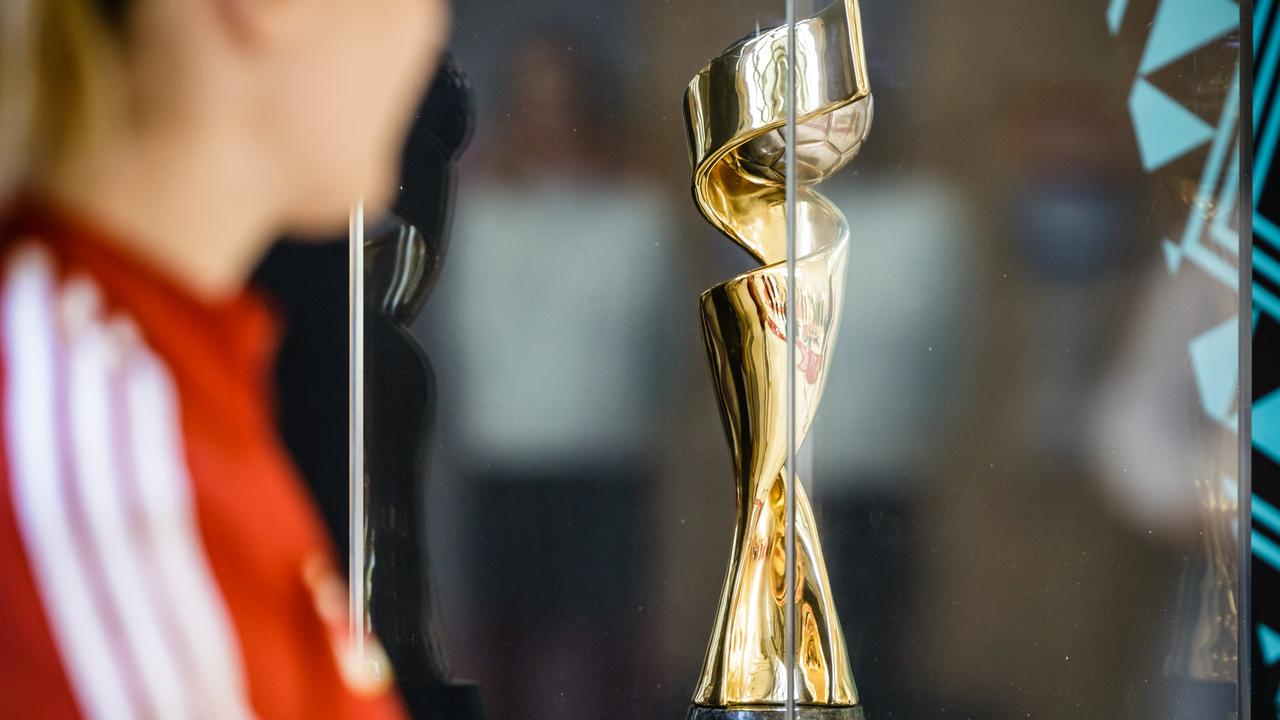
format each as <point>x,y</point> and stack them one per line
<point>323,221</point>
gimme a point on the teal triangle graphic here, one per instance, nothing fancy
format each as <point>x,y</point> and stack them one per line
<point>1182,26</point>
<point>1115,13</point>
<point>1266,425</point>
<point>1214,360</point>
<point>1172,256</point>
<point>1269,643</point>
<point>1165,129</point>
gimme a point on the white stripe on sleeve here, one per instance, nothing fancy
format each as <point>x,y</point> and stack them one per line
<point>111,523</point>
<point>186,579</point>
<point>36,468</point>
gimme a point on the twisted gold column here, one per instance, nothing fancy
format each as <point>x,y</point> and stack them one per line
<point>735,109</point>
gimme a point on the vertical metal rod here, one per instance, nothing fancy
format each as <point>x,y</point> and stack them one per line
<point>355,429</point>
<point>789,634</point>
<point>1244,471</point>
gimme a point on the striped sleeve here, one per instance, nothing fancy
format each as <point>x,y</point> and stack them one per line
<point>101,499</point>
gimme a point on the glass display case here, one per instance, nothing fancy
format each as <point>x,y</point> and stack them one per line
<point>984,465</point>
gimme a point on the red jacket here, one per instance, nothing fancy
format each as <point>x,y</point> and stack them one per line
<point>159,557</point>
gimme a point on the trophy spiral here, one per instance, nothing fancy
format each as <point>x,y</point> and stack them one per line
<point>735,110</point>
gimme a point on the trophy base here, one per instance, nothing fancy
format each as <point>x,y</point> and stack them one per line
<point>776,712</point>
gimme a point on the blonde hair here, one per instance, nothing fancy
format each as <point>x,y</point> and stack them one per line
<point>59,71</point>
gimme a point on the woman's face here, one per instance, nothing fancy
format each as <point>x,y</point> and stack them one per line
<point>347,76</point>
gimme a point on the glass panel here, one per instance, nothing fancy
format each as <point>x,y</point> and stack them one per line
<point>1024,465</point>
<point>1014,473</point>
<point>580,514</point>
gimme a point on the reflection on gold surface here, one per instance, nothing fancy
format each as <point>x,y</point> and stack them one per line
<point>736,110</point>
<point>1214,651</point>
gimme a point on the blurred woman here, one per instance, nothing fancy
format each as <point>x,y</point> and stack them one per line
<point>158,556</point>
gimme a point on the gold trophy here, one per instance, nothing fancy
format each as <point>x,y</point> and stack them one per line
<point>736,113</point>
